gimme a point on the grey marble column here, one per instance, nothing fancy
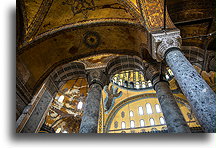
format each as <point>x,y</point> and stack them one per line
<point>35,121</point>
<point>34,114</point>
<point>89,123</point>
<point>166,45</point>
<point>172,114</point>
<point>200,95</point>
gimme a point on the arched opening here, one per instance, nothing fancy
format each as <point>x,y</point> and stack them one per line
<point>149,108</point>
<point>152,122</point>
<point>132,124</point>
<point>162,121</point>
<point>142,123</point>
<point>123,125</point>
<point>157,108</point>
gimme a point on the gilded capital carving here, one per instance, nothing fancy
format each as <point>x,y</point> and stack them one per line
<point>97,76</point>
<point>161,42</point>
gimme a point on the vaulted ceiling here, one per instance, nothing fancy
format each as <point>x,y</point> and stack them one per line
<point>54,32</point>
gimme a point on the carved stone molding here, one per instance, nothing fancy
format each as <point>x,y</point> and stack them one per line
<point>97,76</point>
<point>161,42</point>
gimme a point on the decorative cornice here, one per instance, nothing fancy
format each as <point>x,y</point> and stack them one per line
<point>161,42</point>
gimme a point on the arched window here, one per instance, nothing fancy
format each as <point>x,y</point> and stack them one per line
<point>132,124</point>
<point>61,98</point>
<point>131,85</point>
<point>142,123</point>
<point>143,85</point>
<point>131,113</point>
<point>167,77</point>
<point>79,106</point>
<point>120,82</point>
<point>158,109</point>
<point>152,122</point>
<point>149,84</point>
<point>140,110</point>
<point>137,85</point>
<point>123,125</point>
<point>125,83</point>
<point>170,72</point>
<point>58,130</point>
<point>149,108</point>
<point>162,121</point>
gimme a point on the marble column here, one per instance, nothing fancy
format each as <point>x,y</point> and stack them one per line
<point>34,114</point>
<point>89,123</point>
<point>36,118</point>
<point>201,97</point>
<point>172,114</point>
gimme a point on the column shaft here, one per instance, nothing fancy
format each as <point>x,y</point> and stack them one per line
<point>200,95</point>
<point>89,121</point>
<point>36,118</point>
<point>172,114</point>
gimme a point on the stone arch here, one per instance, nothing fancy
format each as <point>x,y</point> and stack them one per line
<point>122,63</point>
<point>67,72</point>
<point>33,115</point>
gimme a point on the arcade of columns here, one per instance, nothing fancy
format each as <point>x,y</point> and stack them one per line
<point>199,94</point>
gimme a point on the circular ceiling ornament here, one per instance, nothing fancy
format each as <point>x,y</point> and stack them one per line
<point>91,39</point>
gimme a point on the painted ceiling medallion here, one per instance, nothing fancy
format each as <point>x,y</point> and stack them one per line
<point>91,39</point>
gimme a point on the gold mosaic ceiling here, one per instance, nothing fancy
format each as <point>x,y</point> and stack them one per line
<point>55,32</point>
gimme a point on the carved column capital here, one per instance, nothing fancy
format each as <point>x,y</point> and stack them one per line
<point>152,73</point>
<point>161,42</point>
<point>97,76</point>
